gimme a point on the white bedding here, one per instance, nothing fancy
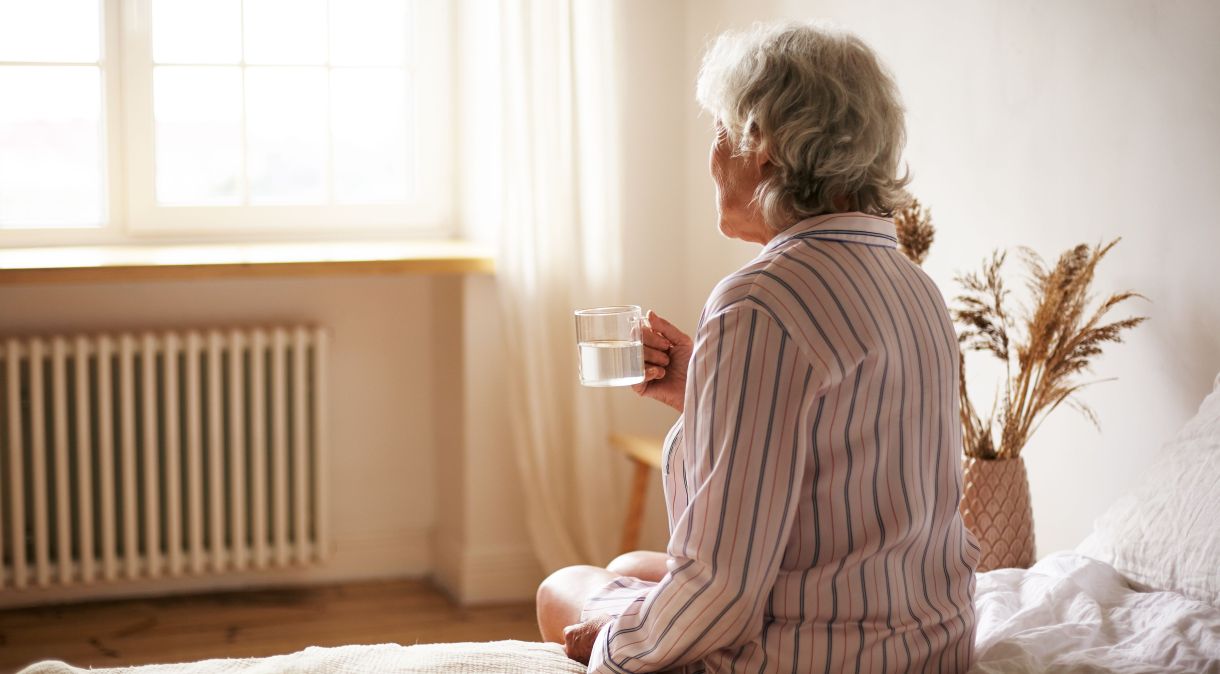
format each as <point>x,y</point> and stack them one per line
<point>1071,613</point>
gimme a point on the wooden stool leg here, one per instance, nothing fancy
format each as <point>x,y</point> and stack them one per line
<point>635,507</point>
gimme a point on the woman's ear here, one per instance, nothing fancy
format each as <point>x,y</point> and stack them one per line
<point>759,151</point>
<point>762,157</point>
<point>762,160</point>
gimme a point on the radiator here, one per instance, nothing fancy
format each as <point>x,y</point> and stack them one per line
<point>138,456</point>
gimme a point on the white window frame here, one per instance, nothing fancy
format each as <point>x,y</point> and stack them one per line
<point>133,217</point>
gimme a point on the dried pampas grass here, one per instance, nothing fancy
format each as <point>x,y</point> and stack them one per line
<point>915,231</point>
<point>1045,348</point>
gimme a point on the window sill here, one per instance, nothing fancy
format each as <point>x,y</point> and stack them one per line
<point>177,262</point>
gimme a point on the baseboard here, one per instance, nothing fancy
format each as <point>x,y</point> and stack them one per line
<point>389,554</point>
<point>507,574</point>
<point>485,576</point>
<point>447,563</point>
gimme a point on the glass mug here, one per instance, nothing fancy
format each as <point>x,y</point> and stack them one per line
<point>608,339</point>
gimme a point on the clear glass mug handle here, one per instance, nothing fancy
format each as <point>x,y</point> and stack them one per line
<point>637,326</point>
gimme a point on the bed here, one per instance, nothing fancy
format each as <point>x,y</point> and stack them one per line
<point>1072,613</point>
<point>1140,594</point>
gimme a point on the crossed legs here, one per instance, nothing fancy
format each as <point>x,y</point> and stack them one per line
<point>562,595</point>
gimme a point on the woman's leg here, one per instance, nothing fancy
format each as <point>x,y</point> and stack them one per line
<point>643,564</point>
<point>562,595</point>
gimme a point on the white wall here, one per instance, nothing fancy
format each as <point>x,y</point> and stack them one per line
<point>1045,125</point>
<point>480,545</point>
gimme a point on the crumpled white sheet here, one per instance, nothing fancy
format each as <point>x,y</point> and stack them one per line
<point>495,657</point>
<point>1071,613</point>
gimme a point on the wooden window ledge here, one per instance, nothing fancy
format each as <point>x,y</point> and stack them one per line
<point>205,261</point>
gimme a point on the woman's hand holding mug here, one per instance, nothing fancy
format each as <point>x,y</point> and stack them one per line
<point>667,352</point>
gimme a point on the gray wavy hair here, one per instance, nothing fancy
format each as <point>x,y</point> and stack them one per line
<point>821,105</point>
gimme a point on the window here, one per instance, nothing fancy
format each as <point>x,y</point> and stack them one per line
<point>52,138</point>
<point>139,119</point>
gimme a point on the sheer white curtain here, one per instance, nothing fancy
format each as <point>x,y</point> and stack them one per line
<point>560,248</point>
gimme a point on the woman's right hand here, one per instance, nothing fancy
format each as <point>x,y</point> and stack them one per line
<point>667,352</point>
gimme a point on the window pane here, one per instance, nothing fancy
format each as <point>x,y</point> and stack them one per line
<point>198,127</point>
<point>51,146</point>
<point>49,30</point>
<point>286,134</point>
<point>196,31</point>
<point>369,131</point>
<point>285,31</point>
<point>368,32</point>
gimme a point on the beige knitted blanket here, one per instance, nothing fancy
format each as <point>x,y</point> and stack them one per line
<point>498,657</point>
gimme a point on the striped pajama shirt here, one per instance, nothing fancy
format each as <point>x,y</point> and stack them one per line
<point>812,483</point>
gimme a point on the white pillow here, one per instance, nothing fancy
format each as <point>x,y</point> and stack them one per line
<point>1165,535</point>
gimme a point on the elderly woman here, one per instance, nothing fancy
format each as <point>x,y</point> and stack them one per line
<point>813,479</point>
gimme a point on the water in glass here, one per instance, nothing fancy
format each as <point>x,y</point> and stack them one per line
<point>611,363</point>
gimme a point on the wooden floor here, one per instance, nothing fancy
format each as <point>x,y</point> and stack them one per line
<point>248,624</point>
